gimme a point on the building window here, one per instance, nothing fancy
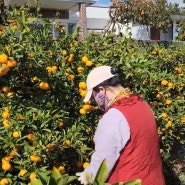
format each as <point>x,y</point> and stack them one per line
<point>71,27</point>
<point>154,33</point>
<point>176,29</point>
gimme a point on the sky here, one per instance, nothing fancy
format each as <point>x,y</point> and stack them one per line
<point>106,3</point>
<point>103,3</point>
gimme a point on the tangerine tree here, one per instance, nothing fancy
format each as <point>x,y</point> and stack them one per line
<point>44,122</point>
<point>155,14</point>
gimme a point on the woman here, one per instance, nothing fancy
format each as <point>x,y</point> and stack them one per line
<point>126,135</point>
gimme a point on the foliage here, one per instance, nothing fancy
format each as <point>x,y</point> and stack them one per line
<point>52,178</point>
<point>181,34</point>
<point>44,122</point>
<point>155,14</point>
<point>102,176</point>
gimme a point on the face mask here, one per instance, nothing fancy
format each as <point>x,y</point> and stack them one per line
<point>102,101</point>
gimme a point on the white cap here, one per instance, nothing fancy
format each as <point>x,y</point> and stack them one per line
<point>95,77</point>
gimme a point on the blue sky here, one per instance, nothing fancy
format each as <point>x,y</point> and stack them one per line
<point>104,3</point>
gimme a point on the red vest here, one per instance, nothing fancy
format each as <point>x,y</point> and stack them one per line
<point>140,159</point>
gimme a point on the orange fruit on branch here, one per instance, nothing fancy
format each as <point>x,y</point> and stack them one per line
<point>35,158</point>
<point>3,58</point>
<point>6,166</point>
<point>22,172</point>
<point>44,86</point>
<point>16,134</point>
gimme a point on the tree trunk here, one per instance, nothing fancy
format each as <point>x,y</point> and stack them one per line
<point>82,21</point>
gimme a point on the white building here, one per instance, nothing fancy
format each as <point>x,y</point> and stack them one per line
<point>97,18</point>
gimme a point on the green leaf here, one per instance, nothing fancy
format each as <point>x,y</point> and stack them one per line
<point>71,178</point>
<point>133,182</point>
<point>36,182</point>
<point>55,177</point>
<point>102,173</point>
<point>31,20</point>
<point>43,176</point>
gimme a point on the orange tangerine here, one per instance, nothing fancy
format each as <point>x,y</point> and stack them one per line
<point>179,70</point>
<point>84,59</point>
<point>44,86</point>
<point>20,117</point>
<point>54,68</point>
<point>50,147</point>
<point>5,160</point>
<point>79,164</point>
<point>3,58</point>
<point>80,69</point>
<point>71,77</point>
<point>83,93</point>
<point>49,69</point>
<point>61,169</point>
<point>35,79</point>
<point>88,130</point>
<point>82,85</point>
<point>32,176</point>
<point>35,158</point>
<point>4,70</point>
<point>164,82</point>
<point>60,124</point>
<point>11,155</point>
<point>6,123</point>
<point>71,55</point>
<point>164,115</point>
<point>64,53</point>
<point>69,59</point>
<point>170,84</point>
<point>30,137</point>
<point>154,104</point>
<point>87,107</point>
<point>67,142</point>
<point>169,124</point>
<point>182,119</point>
<point>5,89</point>
<point>168,102</point>
<point>86,164</point>
<point>16,134</point>
<point>10,94</point>
<point>82,111</point>
<point>4,181</point>
<point>11,63</point>
<point>5,115</point>
<point>89,63</point>
<point>30,55</point>
<point>6,166</point>
<point>22,172</point>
